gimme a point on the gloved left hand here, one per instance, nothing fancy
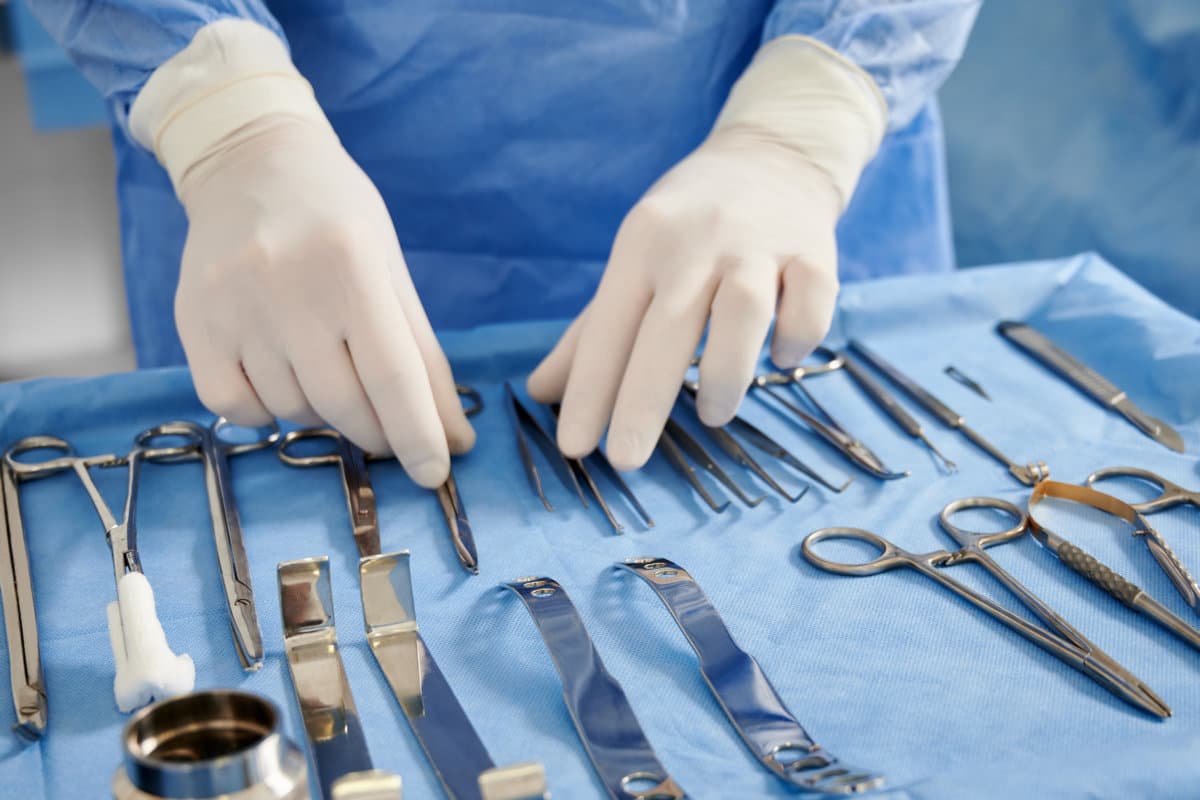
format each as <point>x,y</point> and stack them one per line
<point>738,233</point>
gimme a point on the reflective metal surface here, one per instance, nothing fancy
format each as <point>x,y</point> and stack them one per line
<point>461,535</point>
<point>522,419</point>
<point>209,745</point>
<point>743,691</point>
<point>1058,638</point>
<point>1169,494</point>
<point>1088,381</point>
<point>760,440</point>
<point>214,453</point>
<point>331,721</point>
<point>352,465</point>
<point>956,374</point>
<point>1029,474</point>
<point>1094,570</point>
<point>442,727</point>
<point>606,724</point>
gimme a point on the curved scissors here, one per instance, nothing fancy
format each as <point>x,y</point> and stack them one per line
<point>1169,494</point>
<point>207,444</point>
<point>1061,640</point>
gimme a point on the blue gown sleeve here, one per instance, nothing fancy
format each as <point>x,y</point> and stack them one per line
<point>117,44</point>
<point>909,47</point>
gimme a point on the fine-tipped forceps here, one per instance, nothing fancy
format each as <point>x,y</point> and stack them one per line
<point>525,420</point>
<point>734,449</point>
<point>700,455</point>
<point>819,420</point>
<point>755,437</point>
<point>675,454</point>
<point>16,592</point>
<point>1058,638</point>
<point>207,444</point>
<point>453,510</point>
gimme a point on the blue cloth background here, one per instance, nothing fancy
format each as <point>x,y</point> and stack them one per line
<point>890,672</point>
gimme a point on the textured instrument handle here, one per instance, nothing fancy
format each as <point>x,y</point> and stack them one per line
<point>1087,566</point>
<point>1062,362</point>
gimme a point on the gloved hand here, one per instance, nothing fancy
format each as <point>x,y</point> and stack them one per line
<point>294,300</point>
<point>739,232</point>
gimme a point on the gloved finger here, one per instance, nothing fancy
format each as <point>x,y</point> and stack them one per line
<point>460,436</point>
<point>277,387</point>
<point>389,365</point>
<point>326,374</point>
<point>547,382</point>
<point>741,316</point>
<point>805,311</point>
<point>665,345</point>
<point>222,386</point>
<point>606,338</point>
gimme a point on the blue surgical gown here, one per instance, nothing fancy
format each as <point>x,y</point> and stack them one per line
<point>509,137</point>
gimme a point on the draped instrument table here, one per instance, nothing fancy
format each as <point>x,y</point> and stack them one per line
<point>889,673</point>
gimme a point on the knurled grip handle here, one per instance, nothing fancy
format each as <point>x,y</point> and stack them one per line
<point>1084,377</point>
<point>1108,580</point>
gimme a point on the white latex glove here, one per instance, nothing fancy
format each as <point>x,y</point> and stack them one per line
<point>294,300</point>
<point>738,233</point>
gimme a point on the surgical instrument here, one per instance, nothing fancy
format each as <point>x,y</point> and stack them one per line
<point>453,510</point>
<point>675,455</point>
<point>360,496</point>
<point>604,720</point>
<point>331,721</point>
<point>822,422</point>
<point>1088,381</point>
<point>700,455</point>
<point>739,685</point>
<point>214,452</point>
<point>1058,637</point>
<point>755,437</point>
<point>1169,494</point>
<point>956,374</point>
<point>1029,474</point>
<point>884,399</point>
<point>211,745</point>
<point>1093,569</point>
<point>599,459</point>
<point>16,592</point>
<point>734,449</point>
<point>442,727</point>
<point>146,668</point>
<point>522,419</point>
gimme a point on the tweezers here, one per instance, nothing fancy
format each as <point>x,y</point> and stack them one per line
<point>755,437</point>
<point>733,448</point>
<point>523,419</point>
<point>450,742</point>
<point>460,527</point>
<point>603,718</point>
<point>674,453</point>
<point>738,683</point>
<point>832,432</point>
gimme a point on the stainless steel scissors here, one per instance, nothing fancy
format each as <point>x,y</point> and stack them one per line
<point>207,444</point>
<point>1169,494</point>
<point>820,421</point>
<point>1058,638</point>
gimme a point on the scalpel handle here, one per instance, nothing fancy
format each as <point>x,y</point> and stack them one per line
<point>1082,376</point>
<point>882,397</point>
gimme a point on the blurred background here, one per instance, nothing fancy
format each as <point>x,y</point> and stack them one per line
<point>1071,125</point>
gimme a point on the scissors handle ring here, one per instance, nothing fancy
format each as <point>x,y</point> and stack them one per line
<point>292,437</point>
<point>966,538</point>
<point>30,469</point>
<point>191,433</point>
<point>473,396</point>
<point>1169,493</point>
<point>265,436</point>
<point>889,556</point>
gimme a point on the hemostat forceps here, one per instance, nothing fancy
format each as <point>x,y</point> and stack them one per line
<point>145,666</point>
<point>1058,638</point>
<point>214,452</point>
<point>820,421</point>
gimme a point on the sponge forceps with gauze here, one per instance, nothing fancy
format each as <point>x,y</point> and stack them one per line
<point>146,667</point>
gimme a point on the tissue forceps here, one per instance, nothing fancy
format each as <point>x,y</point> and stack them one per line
<point>822,422</point>
<point>1058,638</point>
<point>206,444</point>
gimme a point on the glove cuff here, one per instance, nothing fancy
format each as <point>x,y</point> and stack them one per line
<point>809,98</point>
<point>195,104</point>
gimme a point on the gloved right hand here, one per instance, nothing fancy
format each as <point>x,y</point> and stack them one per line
<point>294,300</point>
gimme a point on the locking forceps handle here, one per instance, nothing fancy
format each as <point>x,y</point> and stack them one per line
<point>749,700</point>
